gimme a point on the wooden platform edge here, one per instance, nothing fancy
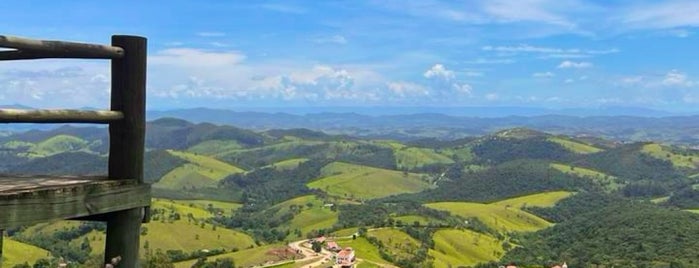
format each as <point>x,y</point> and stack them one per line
<point>79,202</point>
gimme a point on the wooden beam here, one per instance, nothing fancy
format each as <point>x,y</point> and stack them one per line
<point>126,144</point>
<point>31,200</point>
<point>58,116</point>
<point>35,49</point>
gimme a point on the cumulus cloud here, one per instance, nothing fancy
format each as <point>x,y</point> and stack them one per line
<point>407,89</point>
<point>439,71</point>
<point>444,85</point>
<point>571,64</point>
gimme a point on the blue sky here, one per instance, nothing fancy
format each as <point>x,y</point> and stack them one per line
<point>232,54</point>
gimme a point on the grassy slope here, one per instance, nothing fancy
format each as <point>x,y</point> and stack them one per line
<point>58,144</point>
<point>398,243</point>
<point>608,182</point>
<point>363,249</point>
<point>201,172</point>
<point>313,218</point>
<point>411,157</point>
<point>548,199</point>
<point>678,160</point>
<point>242,258</point>
<point>288,164</point>
<point>575,146</point>
<point>17,253</point>
<point>454,248</point>
<point>364,182</point>
<point>498,217</point>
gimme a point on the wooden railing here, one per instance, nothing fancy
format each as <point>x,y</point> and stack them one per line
<point>121,199</point>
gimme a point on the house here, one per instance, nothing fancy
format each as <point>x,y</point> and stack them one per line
<point>332,246</point>
<point>345,258</point>
<point>320,239</point>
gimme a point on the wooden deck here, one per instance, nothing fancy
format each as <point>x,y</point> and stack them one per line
<point>26,200</point>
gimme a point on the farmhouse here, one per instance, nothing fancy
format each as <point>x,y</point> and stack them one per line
<point>332,246</point>
<point>345,258</point>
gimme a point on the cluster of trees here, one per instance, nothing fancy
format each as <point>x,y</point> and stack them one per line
<point>622,234</point>
<point>513,178</point>
<point>59,244</point>
<point>499,150</point>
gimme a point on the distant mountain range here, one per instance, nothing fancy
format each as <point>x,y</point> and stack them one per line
<point>618,123</point>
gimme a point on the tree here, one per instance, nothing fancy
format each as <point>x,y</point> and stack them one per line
<point>316,246</point>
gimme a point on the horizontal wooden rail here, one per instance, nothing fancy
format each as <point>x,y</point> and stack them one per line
<point>25,48</point>
<point>58,116</point>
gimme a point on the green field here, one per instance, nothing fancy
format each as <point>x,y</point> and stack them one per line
<point>548,199</point>
<point>363,249</point>
<point>678,160</point>
<point>411,157</point>
<point>18,253</point>
<point>201,172</point>
<point>315,217</point>
<point>692,210</point>
<point>498,217</point>
<point>575,146</point>
<point>58,144</point>
<point>247,257</point>
<point>363,182</point>
<point>288,164</point>
<point>456,248</point>
<point>397,242</point>
<point>608,182</point>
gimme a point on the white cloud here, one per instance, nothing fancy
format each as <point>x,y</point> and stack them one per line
<point>195,58</point>
<point>675,78</point>
<point>543,75</point>
<point>211,34</point>
<point>571,64</point>
<point>525,10</point>
<point>335,39</point>
<point>550,52</point>
<point>569,81</point>
<point>439,71</point>
<point>407,89</point>
<point>662,15</point>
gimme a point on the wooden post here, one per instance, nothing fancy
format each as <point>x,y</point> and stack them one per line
<point>126,145</point>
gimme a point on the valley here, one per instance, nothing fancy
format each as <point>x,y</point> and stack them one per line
<point>225,195</point>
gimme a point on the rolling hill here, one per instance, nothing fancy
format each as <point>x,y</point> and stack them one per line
<point>363,182</point>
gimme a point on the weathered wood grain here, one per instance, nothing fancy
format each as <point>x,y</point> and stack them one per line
<point>36,49</point>
<point>58,116</point>
<point>126,144</point>
<point>31,200</point>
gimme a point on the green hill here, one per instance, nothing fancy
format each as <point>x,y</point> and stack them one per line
<point>547,199</point>
<point>16,253</point>
<point>214,147</point>
<point>575,146</point>
<point>687,160</point>
<point>606,181</point>
<point>349,180</point>
<point>58,144</point>
<point>496,216</point>
<point>254,257</point>
<point>623,234</point>
<point>456,248</point>
<point>200,172</point>
<point>412,157</point>
<point>306,218</point>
